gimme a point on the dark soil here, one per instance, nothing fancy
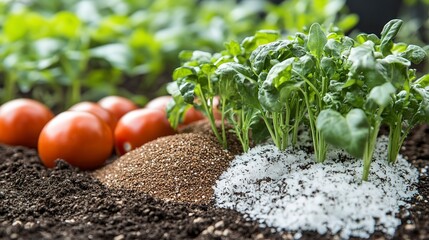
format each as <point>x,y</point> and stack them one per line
<point>65,203</point>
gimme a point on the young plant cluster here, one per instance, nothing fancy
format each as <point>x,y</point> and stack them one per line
<point>342,89</point>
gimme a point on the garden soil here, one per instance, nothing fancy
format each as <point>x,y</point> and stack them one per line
<point>66,203</point>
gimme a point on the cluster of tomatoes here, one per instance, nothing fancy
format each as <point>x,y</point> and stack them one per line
<point>86,134</point>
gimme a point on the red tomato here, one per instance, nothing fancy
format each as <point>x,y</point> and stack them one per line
<point>159,103</point>
<point>191,115</point>
<point>139,127</point>
<point>78,137</point>
<point>117,105</point>
<point>98,111</point>
<point>21,121</point>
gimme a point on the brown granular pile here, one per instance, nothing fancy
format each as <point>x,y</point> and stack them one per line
<point>183,167</point>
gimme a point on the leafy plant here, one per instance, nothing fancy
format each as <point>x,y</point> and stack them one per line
<point>383,89</point>
<point>340,88</point>
<point>204,76</point>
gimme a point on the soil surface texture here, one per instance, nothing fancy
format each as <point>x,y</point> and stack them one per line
<point>66,203</point>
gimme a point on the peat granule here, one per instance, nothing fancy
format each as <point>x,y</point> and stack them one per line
<point>182,167</point>
<point>65,203</point>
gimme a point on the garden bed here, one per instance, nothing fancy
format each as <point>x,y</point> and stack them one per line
<point>64,202</point>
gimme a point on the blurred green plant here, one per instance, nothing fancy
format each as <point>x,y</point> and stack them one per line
<point>415,30</point>
<point>297,15</point>
<point>62,52</point>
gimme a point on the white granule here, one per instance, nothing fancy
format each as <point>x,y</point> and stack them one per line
<point>289,191</point>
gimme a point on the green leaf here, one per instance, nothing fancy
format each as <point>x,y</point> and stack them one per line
<point>201,56</point>
<point>354,99</point>
<point>423,80</point>
<point>363,37</point>
<point>233,48</point>
<point>47,62</point>
<point>362,57</point>
<point>233,70</point>
<point>182,72</point>
<point>349,133</point>
<point>333,48</point>
<point>208,69</point>
<point>233,78</point>
<point>176,111</point>
<point>393,59</point>
<point>306,65</point>
<point>365,66</point>
<point>396,69</point>
<point>187,90</point>
<point>66,24</point>
<point>278,84</point>
<point>422,110</point>
<point>260,132</point>
<point>414,53</point>
<point>111,27</point>
<point>350,82</point>
<point>261,56</point>
<point>389,32</point>
<point>296,50</point>
<point>23,24</point>
<point>185,55</point>
<point>399,48</point>
<point>347,43</point>
<point>316,40</point>
<point>269,97</point>
<point>261,37</point>
<point>14,27</point>
<point>117,54</point>
<point>348,22</point>
<point>267,36</point>
<point>48,47</point>
<point>248,90</point>
<point>140,38</point>
<point>382,95</point>
<point>280,73</point>
<point>328,67</point>
<point>232,73</point>
<point>173,89</point>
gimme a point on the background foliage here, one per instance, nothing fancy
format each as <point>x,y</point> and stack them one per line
<point>62,52</point>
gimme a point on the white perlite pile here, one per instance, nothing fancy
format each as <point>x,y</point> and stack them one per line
<point>289,191</point>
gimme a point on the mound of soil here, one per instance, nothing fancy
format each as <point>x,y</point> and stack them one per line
<point>66,203</point>
<point>182,167</point>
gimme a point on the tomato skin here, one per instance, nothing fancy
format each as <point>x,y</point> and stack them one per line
<point>139,127</point>
<point>22,120</point>
<point>98,111</point>
<point>159,103</point>
<point>78,137</point>
<point>191,115</point>
<point>117,105</point>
